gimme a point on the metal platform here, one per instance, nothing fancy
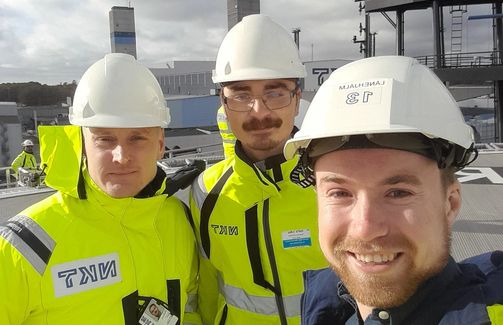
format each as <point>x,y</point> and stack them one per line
<point>479,227</point>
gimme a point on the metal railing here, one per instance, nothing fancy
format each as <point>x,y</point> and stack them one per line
<point>171,165</point>
<point>489,147</point>
<point>464,60</point>
<point>7,178</point>
<point>172,153</point>
<point>173,160</point>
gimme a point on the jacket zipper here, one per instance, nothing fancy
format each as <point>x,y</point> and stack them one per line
<point>274,268</point>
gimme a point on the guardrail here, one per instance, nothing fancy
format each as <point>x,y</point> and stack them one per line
<point>191,150</point>
<point>464,60</point>
<point>173,158</point>
<point>489,147</point>
<point>7,178</point>
<point>171,165</point>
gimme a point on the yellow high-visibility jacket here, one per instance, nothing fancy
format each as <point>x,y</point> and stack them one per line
<point>25,160</point>
<point>82,257</point>
<point>228,138</point>
<point>257,233</point>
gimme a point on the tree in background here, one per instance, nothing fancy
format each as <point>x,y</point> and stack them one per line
<point>33,93</point>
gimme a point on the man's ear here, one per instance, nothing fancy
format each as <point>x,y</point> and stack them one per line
<point>161,144</point>
<point>298,97</point>
<point>453,202</point>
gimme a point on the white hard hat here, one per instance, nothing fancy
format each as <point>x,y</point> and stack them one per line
<point>257,48</point>
<point>118,92</point>
<point>27,143</point>
<point>387,94</point>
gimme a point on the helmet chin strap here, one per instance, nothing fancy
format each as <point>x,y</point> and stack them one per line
<point>451,155</point>
<point>303,173</point>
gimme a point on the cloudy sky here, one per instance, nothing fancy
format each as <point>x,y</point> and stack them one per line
<point>54,41</point>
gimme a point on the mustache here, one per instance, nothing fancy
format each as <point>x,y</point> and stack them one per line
<point>267,122</point>
<point>377,245</point>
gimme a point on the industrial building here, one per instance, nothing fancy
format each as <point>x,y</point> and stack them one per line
<point>186,78</point>
<point>122,30</point>
<point>237,9</point>
<point>10,133</point>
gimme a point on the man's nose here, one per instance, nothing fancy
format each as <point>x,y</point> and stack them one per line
<point>120,154</point>
<point>259,108</point>
<point>368,221</point>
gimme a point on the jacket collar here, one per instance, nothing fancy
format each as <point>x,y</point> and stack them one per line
<point>116,207</point>
<point>155,187</point>
<point>271,171</point>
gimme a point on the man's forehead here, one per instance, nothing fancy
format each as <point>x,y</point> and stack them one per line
<point>385,166</point>
<point>110,131</point>
<point>265,84</point>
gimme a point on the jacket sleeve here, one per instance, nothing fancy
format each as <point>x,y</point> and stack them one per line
<point>33,161</point>
<point>189,258</point>
<point>16,163</point>
<point>208,291</point>
<point>14,296</point>
<point>191,315</point>
<point>208,285</point>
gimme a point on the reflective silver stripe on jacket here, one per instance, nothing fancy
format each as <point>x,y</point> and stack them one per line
<point>221,117</point>
<point>238,298</point>
<point>30,240</point>
<point>191,305</point>
<point>199,194</point>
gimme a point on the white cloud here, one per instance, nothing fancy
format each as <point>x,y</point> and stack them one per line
<point>54,41</point>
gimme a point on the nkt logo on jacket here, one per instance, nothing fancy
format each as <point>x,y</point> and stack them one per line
<point>85,274</point>
<point>225,230</point>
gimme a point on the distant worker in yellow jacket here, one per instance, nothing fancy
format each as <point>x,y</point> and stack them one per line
<point>257,230</point>
<point>26,159</point>
<point>228,138</point>
<point>111,242</point>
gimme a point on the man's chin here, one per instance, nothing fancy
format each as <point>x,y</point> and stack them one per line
<point>377,290</point>
<point>119,191</point>
<point>388,289</point>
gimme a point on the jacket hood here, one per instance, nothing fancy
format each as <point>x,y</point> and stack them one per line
<point>61,157</point>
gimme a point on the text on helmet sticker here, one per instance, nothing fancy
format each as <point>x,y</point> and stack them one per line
<point>368,92</point>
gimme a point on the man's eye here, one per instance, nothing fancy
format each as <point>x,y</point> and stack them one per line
<point>338,194</point>
<point>241,98</point>
<point>104,139</point>
<point>275,94</point>
<point>138,138</point>
<point>399,194</point>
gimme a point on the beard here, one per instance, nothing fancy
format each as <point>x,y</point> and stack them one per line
<point>387,290</point>
<point>263,142</point>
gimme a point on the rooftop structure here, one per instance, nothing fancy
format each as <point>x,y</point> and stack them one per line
<point>237,9</point>
<point>453,66</point>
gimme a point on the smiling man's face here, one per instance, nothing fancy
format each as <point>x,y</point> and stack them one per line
<point>123,161</point>
<point>384,221</point>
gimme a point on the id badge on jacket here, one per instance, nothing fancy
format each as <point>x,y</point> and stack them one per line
<point>156,312</point>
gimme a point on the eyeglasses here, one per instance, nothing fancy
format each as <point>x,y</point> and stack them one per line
<point>243,102</point>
